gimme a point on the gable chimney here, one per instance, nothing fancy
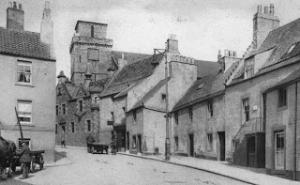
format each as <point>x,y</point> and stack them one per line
<point>264,21</point>
<point>15,17</point>
<point>172,44</point>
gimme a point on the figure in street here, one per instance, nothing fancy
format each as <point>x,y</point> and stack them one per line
<point>90,140</point>
<point>25,159</point>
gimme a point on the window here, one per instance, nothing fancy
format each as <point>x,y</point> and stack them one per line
<point>282,97</point>
<point>191,113</point>
<point>79,58</point>
<point>176,118</point>
<point>80,104</point>
<point>73,127</point>
<point>24,72</point>
<point>57,111</point>
<point>55,128</point>
<point>92,30</point>
<point>210,108</point>
<point>246,108</point>
<point>93,54</point>
<point>176,143</point>
<point>209,142</point>
<point>89,125</point>
<point>134,115</point>
<point>112,116</point>
<point>64,109</point>
<point>163,97</point>
<point>249,68</point>
<point>24,108</point>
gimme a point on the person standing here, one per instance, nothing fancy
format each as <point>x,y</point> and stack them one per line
<point>25,159</point>
<point>89,141</point>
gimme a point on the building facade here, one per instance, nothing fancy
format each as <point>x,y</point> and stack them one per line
<point>28,81</point>
<point>245,114</point>
<point>282,127</point>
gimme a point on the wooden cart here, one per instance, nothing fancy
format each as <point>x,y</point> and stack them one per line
<point>99,148</point>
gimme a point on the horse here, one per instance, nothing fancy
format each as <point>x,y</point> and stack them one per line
<point>7,153</point>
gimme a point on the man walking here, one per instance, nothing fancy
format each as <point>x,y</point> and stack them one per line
<point>89,140</point>
<point>25,159</point>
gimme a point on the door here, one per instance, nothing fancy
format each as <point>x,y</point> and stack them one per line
<point>222,145</point>
<point>140,143</point>
<point>191,136</point>
<point>279,150</point>
<point>127,140</point>
<point>251,149</point>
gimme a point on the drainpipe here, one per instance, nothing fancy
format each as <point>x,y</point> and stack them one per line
<point>295,138</point>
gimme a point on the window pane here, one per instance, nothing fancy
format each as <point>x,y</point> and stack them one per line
<point>24,72</point>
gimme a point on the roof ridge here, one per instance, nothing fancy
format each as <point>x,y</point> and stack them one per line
<point>19,31</point>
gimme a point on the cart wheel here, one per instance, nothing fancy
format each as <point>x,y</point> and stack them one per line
<point>41,162</point>
<point>33,167</point>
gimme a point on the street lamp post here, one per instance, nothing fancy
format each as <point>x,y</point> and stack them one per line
<point>167,142</point>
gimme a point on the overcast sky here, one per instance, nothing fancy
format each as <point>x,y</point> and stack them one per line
<point>202,26</point>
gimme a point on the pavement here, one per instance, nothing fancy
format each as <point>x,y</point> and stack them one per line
<point>249,175</point>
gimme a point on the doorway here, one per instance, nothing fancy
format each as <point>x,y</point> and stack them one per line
<point>251,149</point>
<point>279,149</point>
<point>127,140</point>
<point>139,143</point>
<point>191,138</point>
<point>222,145</point>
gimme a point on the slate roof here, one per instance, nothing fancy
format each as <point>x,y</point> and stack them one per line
<point>23,44</point>
<point>294,76</point>
<point>130,57</point>
<point>150,94</point>
<point>203,89</point>
<point>130,74</point>
<point>279,40</point>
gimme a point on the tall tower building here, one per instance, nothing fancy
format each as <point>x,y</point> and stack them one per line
<point>89,46</point>
<point>47,27</point>
<point>264,21</point>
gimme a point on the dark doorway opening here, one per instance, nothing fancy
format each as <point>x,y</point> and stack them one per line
<point>191,137</point>
<point>251,148</point>
<point>222,145</point>
<point>140,143</point>
<point>127,140</point>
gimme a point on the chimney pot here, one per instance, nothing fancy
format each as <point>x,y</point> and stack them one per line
<point>15,4</point>
<point>259,8</point>
<point>20,6</point>
<point>272,9</point>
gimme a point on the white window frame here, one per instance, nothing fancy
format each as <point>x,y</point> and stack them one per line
<point>23,63</point>
<point>24,114</point>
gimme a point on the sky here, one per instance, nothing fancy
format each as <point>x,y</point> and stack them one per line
<point>202,26</point>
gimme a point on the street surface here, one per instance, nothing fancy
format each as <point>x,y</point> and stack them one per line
<point>92,169</point>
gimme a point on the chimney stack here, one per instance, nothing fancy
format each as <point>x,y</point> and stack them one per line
<point>172,44</point>
<point>46,33</point>
<point>264,21</point>
<point>62,77</point>
<point>15,17</point>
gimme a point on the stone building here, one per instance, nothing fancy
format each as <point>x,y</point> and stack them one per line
<point>263,66</point>
<point>137,97</point>
<point>93,62</point>
<point>282,127</point>
<point>28,81</point>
